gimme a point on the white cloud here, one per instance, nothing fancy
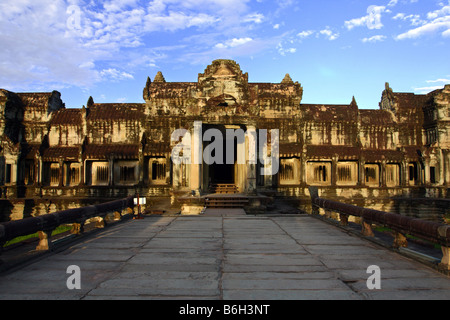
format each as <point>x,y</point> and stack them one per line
<point>392,3</point>
<point>414,19</point>
<point>233,43</point>
<point>372,20</point>
<point>376,38</point>
<point>438,21</point>
<point>424,90</point>
<point>282,51</point>
<point>305,34</point>
<point>431,27</point>
<point>65,41</point>
<point>444,11</point>
<point>115,74</point>
<point>291,50</point>
<point>439,80</point>
<point>330,35</point>
<point>283,5</point>
<point>254,17</point>
<point>36,50</point>
<point>399,16</point>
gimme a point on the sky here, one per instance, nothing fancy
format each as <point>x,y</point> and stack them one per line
<point>336,49</point>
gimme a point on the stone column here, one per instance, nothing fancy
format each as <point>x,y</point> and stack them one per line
<point>177,175</point>
<point>362,172</point>
<point>446,167</point>
<point>36,172</point>
<point>82,172</point>
<point>141,167</point>
<point>427,171</point>
<point>303,169</point>
<point>441,159</point>
<point>251,143</point>
<point>196,157</point>
<point>403,173</point>
<point>383,173</point>
<point>61,172</point>
<point>169,169</point>
<point>334,170</point>
<point>111,169</point>
<point>41,171</point>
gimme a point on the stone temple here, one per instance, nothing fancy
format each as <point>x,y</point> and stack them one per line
<point>54,158</point>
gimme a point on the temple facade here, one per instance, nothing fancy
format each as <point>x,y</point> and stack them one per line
<point>109,150</point>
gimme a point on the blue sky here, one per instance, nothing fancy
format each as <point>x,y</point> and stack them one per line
<point>335,49</point>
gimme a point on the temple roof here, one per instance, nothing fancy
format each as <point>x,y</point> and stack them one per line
<point>376,117</point>
<point>156,149</point>
<point>118,151</point>
<point>318,112</point>
<point>66,153</point>
<point>67,117</point>
<point>115,111</point>
<point>372,155</point>
<point>35,99</point>
<point>406,100</point>
<point>329,151</point>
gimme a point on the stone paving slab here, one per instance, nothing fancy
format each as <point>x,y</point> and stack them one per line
<point>230,257</point>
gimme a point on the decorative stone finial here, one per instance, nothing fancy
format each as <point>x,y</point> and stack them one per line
<point>287,79</point>
<point>387,87</point>
<point>90,102</point>
<point>159,77</point>
<point>353,103</point>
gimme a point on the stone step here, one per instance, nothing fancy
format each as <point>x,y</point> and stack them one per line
<point>223,188</point>
<point>221,202</point>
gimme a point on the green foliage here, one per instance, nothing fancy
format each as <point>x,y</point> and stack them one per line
<point>58,230</point>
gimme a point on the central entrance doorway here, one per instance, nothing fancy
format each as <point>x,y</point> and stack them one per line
<point>221,172</point>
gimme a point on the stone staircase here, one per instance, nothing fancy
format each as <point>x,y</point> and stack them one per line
<point>225,195</point>
<point>223,188</point>
<point>226,201</point>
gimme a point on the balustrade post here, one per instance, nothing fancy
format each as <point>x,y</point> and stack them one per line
<point>343,218</point>
<point>445,262</point>
<point>399,241</point>
<point>314,193</point>
<point>76,228</point>
<point>101,222</point>
<point>45,242</point>
<point>315,210</point>
<point>117,215</point>
<point>366,228</point>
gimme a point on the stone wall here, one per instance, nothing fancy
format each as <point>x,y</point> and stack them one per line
<point>110,150</point>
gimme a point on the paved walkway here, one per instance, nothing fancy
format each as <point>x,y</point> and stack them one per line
<point>225,257</point>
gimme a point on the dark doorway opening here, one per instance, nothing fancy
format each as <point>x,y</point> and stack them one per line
<point>222,173</point>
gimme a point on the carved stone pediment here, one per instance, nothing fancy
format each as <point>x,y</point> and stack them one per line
<point>223,68</point>
<point>8,147</point>
<point>223,77</point>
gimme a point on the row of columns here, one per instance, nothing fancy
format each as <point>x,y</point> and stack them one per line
<point>197,184</point>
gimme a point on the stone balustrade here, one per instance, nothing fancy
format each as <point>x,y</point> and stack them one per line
<point>45,224</point>
<point>434,232</point>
